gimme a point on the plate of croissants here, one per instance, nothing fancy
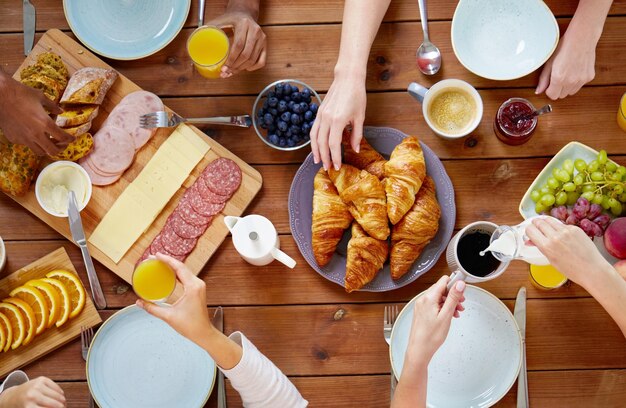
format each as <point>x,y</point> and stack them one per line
<point>379,222</point>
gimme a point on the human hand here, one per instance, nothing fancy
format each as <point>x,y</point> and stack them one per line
<point>248,50</point>
<point>188,315</point>
<point>567,248</point>
<point>343,105</point>
<point>571,66</point>
<point>432,316</point>
<point>41,392</point>
<point>24,120</point>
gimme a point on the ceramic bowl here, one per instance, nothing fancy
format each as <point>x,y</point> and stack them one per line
<point>503,40</point>
<point>50,169</point>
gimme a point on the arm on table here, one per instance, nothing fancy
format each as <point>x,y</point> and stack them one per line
<point>346,99</point>
<point>259,382</point>
<point>573,63</point>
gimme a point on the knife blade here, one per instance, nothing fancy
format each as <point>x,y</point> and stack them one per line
<point>520,317</point>
<point>218,322</point>
<point>78,234</point>
<point>28,11</point>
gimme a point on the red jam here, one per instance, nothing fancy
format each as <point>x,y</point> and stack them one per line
<point>510,125</point>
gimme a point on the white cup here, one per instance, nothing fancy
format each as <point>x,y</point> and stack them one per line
<point>452,256</point>
<point>425,96</point>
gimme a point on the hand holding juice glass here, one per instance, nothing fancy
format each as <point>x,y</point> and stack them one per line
<point>208,47</point>
<point>153,280</point>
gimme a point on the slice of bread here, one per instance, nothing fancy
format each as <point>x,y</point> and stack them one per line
<point>45,70</point>
<point>76,150</point>
<point>89,86</point>
<point>51,88</point>
<point>75,115</point>
<point>78,130</point>
<point>18,165</point>
<point>50,58</point>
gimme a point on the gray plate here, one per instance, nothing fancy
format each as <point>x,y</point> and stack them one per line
<point>383,140</point>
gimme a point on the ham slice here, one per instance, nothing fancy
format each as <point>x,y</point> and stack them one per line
<point>126,115</point>
<point>113,150</point>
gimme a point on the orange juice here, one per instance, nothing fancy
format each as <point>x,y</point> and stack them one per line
<point>153,280</point>
<point>546,277</point>
<point>208,48</point>
<point>621,113</point>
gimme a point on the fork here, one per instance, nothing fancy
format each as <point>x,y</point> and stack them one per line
<point>86,335</point>
<point>170,119</point>
<point>389,318</point>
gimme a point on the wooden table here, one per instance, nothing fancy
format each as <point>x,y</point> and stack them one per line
<point>328,342</point>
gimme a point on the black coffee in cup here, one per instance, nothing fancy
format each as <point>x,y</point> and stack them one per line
<point>468,253</point>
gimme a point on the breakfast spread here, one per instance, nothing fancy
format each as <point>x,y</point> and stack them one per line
<point>56,181</point>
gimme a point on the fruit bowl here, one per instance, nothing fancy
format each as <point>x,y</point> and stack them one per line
<point>283,114</point>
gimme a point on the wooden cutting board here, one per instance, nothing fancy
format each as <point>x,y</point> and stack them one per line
<point>53,337</point>
<point>75,56</point>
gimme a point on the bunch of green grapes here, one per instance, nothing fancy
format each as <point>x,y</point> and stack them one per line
<point>600,181</point>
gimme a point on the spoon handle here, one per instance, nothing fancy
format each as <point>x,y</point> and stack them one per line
<point>545,109</point>
<point>424,18</point>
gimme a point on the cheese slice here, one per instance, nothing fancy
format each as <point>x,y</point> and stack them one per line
<point>143,200</point>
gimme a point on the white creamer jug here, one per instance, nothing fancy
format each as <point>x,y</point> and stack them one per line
<point>256,240</point>
<point>511,243</point>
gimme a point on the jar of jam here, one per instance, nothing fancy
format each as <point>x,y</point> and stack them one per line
<point>513,125</point>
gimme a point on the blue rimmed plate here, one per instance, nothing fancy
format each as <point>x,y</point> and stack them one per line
<point>384,140</point>
<point>137,360</point>
<point>126,29</point>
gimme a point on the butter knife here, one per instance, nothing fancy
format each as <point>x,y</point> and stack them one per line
<point>520,317</point>
<point>78,234</point>
<point>28,11</point>
<point>218,321</point>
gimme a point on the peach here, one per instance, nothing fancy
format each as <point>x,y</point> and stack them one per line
<point>615,238</point>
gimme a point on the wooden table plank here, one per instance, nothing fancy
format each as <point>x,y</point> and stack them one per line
<point>50,12</point>
<point>391,65</point>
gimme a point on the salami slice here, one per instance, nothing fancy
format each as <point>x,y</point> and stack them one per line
<point>96,178</point>
<point>188,214</point>
<point>206,208</point>
<point>207,194</point>
<point>185,230</point>
<point>157,247</point>
<point>175,244</point>
<point>222,176</point>
<point>113,150</point>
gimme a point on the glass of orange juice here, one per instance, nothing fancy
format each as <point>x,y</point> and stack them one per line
<point>208,48</point>
<point>153,280</point>
<point>621,113</point>
<point>546,277</point>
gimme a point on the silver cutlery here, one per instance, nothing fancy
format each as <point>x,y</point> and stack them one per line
<point>428,55</point>
<point>170,119</point>
<point>28,11</point>
<point>86,335</point>
<point>389,318</point>
<point>78,234</point>
<point>538,112</point>
<point>201,14</point>
<point>218,321</point>
<point>522,379</point>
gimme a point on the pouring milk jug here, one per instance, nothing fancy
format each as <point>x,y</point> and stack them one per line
<point>256,240</point>
<point>510,243</point>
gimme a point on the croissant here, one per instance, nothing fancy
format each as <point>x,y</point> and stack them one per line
<point>366,256</point>
<point>330,218</point>
<point>366,159</point>
<point>415,230</point>
<point>405,172</point>
<point>365,197</point>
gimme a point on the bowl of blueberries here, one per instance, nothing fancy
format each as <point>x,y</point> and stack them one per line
<point>284,112</point>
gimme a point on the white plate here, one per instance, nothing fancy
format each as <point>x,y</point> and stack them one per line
<point>480,359</point>
<point>136,360</point>
<point>503,40</point>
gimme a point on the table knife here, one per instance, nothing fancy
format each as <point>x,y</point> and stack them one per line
<point>218,321</point>
<point>78,234</point>
<point>29,26</point>
<point>520,317</point>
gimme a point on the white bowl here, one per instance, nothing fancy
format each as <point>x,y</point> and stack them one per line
<point>50,169</point>
<point>3,255</point>
<point>503,40</point>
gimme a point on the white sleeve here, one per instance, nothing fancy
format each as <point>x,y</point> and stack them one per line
<point>259,382</point>
<point>13,379</point>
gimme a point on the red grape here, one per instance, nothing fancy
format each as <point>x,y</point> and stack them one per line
<point>591,228</point>
<point>594,211</point>
<point>603,221</point>
<point>560,213</point>
<point>571,220</point>
<point>581,208</point>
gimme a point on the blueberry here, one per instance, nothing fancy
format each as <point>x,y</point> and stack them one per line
<point>291,105</point>
<point>260,113</point>
<point>291,142</point>
<point>282,141</point>
<point>307,137</point>
<point>286,98</point>
<point>297,97</point>
<point>294,88</point>
<point>287,90</point>
<point>288,134</point>
<point>273,101</point>
<point>271,94</point>
<point>268,118</point>
<point>271,127</point>
<point>282,126</point>
<point>279,88</point>
<point>308,116</point>
<point>306,128</point>
<point>273,138</point>
<point>304,106</point>
<point>295,129</point>
<point>297,108</point>
<point>295,118</point>
<point>279,133</point>
<point>306,92</point>
<point>282,106</point>
<point>274,111</point>
<point>313,107</point>
<point>286,116</point>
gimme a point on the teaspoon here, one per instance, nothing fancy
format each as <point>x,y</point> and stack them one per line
<point>428,55</point>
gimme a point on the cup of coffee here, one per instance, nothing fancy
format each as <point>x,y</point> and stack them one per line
<point>452,108</point>
<point>464,258</point>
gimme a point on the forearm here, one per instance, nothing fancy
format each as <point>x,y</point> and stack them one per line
<point>247,6</point>
<point>411,389</point>
<point>588,21</point>
<point>609,289</point>
<point>225,352</point>
<point>361,19</point>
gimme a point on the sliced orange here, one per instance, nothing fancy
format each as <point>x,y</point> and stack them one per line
<point>34,298</point>
<point>17,321</point>
<point>29,315</point>
<point>8,330</point>
<point>64,304</point>
<point>3,337</point>
<point>74,288</point>
<point>52,297</point>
